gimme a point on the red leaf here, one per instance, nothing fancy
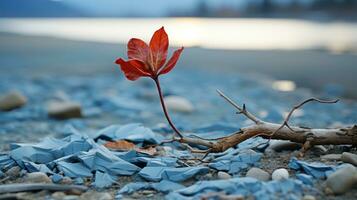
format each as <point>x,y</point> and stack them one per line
<point>159,45</point>
<point>133,69</point>
<point>172,62</point>
<point>138,49</point>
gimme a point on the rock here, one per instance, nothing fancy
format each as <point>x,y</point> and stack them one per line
<point>64,110</point>
<point>178,104</point>
<point>331,157</point>
<point>13,172</point>
<point>282,145</point>
<point>349,158</point>
<point>223,175</point>
<point>93,195</point>
<point>308,197</point>
<point>71,197</point>
<point>58,195</point>
<point>280,174</point>
<point>342,180</point>
<point>37,177</point>
<point>258,173</point>
<point>12,100</point>
<point>66,180</point>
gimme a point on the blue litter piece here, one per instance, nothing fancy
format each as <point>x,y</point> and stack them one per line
<point>306,179</point>
<point>133,132</point>
<point>171,174</point>
<point>2,174</point>
<point>246,186</point>
<point>6,162</point>
<point>103,180</point>
<point>163,186</point>
<point>236,163</point>
<point>78,181</point>
<point>33,167</point>
<point>158,161</point>
<point>315,169</point>
<point>56,178</point>
<point>74,170</point>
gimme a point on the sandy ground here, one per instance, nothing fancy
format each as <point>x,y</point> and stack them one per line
<point>307,68</point>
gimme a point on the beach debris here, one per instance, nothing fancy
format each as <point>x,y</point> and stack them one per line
<point>342,180</point>
<point>122,145</point>
<point>258,174</point>
<point>280,174</point>
<point>29,187</point>
<point>306,179</point>
<point>315,169</point>
<point>163,186</point>
<point>236,161</point>
<point>348,157</point>
<point>158,173</point>
<point>12,100</point>
<point>178,104</point>
<point>134,132</point>
<point>64,109</point>
<point>246,187</point>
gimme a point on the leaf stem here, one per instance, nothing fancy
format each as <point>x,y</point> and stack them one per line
<point>157,82</point>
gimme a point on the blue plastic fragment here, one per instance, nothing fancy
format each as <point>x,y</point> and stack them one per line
<point>103,180</point>
<point>315,169</point>
<point>306,179</point>
<point>56,178</point>
<point>236,161</point>
<point>163,186</point>
<point>6,162</point>
<point>247,187</point>
<point>132,132</point>
<point>172,174</point>
<point>33,167</point>
<point>74,170</point>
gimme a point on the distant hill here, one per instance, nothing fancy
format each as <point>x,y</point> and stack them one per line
<point>38,8</point>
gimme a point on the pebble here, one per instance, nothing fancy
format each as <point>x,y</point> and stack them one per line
<point>37,177</point>
<point>12,100</point>
<point>71,197</point>
<point>308,197</point>
<point>13,172</point>
<point>58,195</point>
<point>178,104</point>
<point>331,157</point>
<point>280,174</point>
<point>342,180</point>
<point>258,173</point>
<point>66,180</point>
<point>281,145</point>
<point>64,110</point>
<point>349,158</point>
<point>223,175</point>
<point>93,195</point>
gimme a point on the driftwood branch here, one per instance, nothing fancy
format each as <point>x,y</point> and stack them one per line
<point>306,136</point>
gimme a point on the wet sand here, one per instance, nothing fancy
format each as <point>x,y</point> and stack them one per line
<point>313,69</point>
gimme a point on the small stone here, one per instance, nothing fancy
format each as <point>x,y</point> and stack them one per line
<point>58,195</point>
<point>66,180</point>
<point>349,158</point>
<point>331,157</point>
<point>223,175</point>
<point>178,104</point>
<point>37,177</point>
<point>280,174</point>
<point>56,178</point>
<point>308,197</point>
<point>71,197</point>
<point>12,100</point>
<point>93,195</point>
<point>258,173</point>
<point>64,110</point>
<point>342,180</point>
<point>281,145</point>
<point>13,172</point>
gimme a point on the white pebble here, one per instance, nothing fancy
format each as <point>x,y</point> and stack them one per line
<point>280,174</point>
<point>178,104</point>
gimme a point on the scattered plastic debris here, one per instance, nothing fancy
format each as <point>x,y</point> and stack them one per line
<point>317,170</point>
<point>159,173</point>
<point>163,186</point>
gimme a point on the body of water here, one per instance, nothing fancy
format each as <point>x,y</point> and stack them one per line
<point>247,34</point>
